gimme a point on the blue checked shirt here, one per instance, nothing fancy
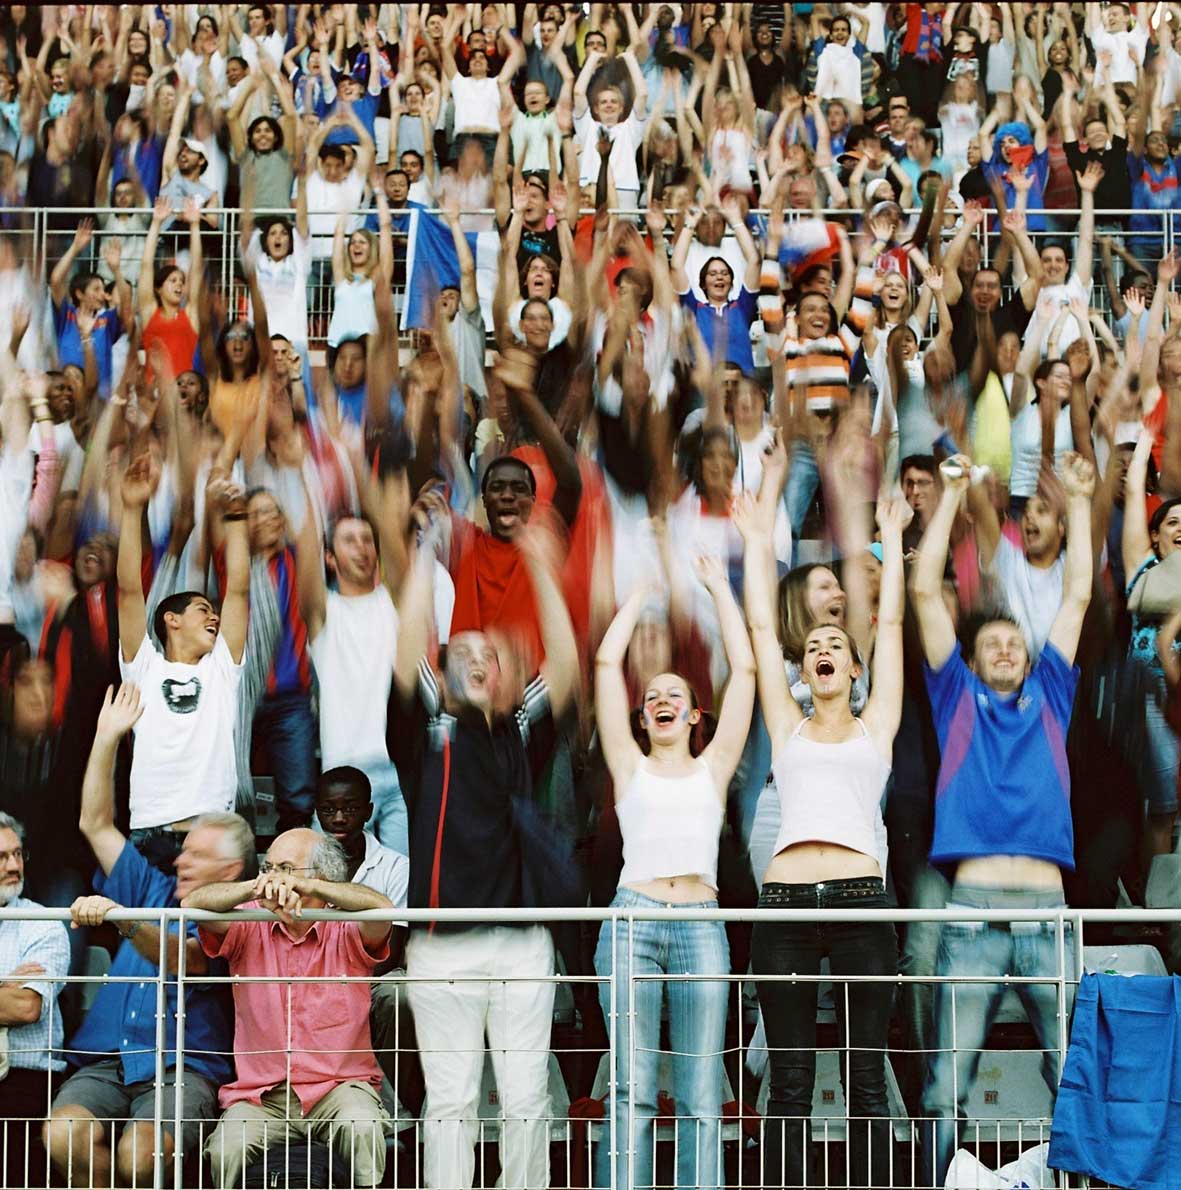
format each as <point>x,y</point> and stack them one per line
<point>122,1019</point>
<point>44,942</point>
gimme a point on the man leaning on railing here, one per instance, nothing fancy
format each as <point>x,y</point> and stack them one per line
<point>116,1045</point>
<point>301,1036</point>
<point>32,955</point>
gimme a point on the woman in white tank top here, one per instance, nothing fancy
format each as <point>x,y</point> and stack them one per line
<point>670,805</point>
<point>831,771</point>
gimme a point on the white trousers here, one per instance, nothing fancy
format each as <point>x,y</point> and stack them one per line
<point>501,991</point>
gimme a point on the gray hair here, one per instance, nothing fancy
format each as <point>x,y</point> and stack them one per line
<point>240,839</point>
<point>329,861</point>
<point>8,823</point>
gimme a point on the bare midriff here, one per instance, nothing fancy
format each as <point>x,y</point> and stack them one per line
<point>811,862</point>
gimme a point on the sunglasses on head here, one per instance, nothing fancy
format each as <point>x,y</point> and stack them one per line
<point>238,332</point>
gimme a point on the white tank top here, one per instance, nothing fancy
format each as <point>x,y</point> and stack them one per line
<point>670,825</point>
<point>830,793</point>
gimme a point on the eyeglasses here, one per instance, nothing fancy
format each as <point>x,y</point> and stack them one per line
<point>266,867</point>
<point>20,854</point>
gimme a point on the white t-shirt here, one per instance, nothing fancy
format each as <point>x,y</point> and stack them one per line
<point>1025,445</point>
<point>284,287</point>
<point>325,201</point>
<point>1060,295</point>
<point>477,104</point>
<point>1032,594</point>
<point>838,74</point>
<point>354,657</point>
<point>70,456</point>
<point>182,764</point>
<point>270,44</point>
<point>625,137</point>
<point>1127,53</point>
<point>189,64</point>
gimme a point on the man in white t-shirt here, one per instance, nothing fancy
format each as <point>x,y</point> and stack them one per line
<point>182,762</point>
<point>352,639</point>
<point>1118,48</point>
<point>1056,289</point>
<point>1028,576</point>
<point>606,115</point>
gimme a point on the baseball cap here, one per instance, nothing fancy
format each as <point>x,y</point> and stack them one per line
<point>195,146</point>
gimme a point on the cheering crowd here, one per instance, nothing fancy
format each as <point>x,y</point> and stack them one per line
<point>656,455</point>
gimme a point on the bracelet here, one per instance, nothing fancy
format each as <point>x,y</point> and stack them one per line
<point>133,928</point>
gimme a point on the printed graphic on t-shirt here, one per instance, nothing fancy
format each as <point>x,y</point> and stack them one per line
<point>181,698</point>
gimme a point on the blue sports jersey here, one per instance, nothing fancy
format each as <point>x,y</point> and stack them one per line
<point>1004,783</point>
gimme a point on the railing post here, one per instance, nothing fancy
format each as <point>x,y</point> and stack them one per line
<point>161,1064</point>
<point>178,1158</point>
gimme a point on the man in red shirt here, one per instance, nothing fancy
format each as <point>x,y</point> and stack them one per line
<point>302,1046</point>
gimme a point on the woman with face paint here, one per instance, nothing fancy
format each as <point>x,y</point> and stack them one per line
<point>831,771</point>
<point>670,797</point>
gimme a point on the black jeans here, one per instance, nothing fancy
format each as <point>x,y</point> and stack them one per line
<point>863,1020</point>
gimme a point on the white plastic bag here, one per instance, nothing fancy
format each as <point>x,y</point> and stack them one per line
<point>1028,1172</point>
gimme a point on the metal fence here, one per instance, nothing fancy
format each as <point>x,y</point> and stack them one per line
<point>44,233</point>
<point>1008,1111</point>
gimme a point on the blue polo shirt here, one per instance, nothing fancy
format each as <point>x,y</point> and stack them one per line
<point>1004,782</point>
<point>122,1019</point>
<point>732,322</point>
<point>107,329</point>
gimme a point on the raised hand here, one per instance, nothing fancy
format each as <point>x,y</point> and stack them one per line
<point>933,279</point>
<point>893,515</point>
<point>84,234</point>
<point>136,486</point>
<point>654,220</point>
<point>113,253</point>
<point>957,473</point>
<point>1078,476</point>
<point>1090,178</point>
<point>709,571</point>
<point>1134,300</point>
<point>1167,269</point>
<point>120,712</point>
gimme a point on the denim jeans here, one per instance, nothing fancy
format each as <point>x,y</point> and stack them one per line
<point>965,1012</point>
<point>750,778</point>
<point>697,1036</point>
<point>863,1020</point>
<point>803,478</point>
<point>389,820</point>
<point>285,727</point>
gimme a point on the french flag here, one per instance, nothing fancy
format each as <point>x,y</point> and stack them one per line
<point>431,264</point>
<point>807,242</point>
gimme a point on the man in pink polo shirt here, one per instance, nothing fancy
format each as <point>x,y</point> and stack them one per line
<point>303,1052</point>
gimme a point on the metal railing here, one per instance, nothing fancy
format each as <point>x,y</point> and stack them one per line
<point>45,232</point>
<point>995,1131</point>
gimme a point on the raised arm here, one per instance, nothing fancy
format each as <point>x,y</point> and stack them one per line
<point>883,712</point>
<point>540,549</point>
<point>612,718</point>
<point>725,749</point>
<point>936,629</point>
<point>120,712</point>
<point>1078,478</point>
<point>755,521</point>
<point>1136,544</point>
<point>309,571</point>
<point>1083,256</point>
<point>136,491</point>
<point>61,270</point>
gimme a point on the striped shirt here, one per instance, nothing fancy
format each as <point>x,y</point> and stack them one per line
<point>821,368</point>
<point>41,942</point>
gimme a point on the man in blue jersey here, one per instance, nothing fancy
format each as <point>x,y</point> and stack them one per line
<point>1002,802</point>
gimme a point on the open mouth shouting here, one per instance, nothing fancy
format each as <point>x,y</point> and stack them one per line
<point>825,668</point>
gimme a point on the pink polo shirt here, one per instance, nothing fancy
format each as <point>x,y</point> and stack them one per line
<point>313,1035</point>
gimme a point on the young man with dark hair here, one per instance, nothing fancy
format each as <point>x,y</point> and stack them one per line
<point>1002,808</point>
<point>352,640</point>
<point>183,762</point>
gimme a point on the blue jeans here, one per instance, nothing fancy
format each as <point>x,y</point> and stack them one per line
<point>389,820</point>
<point>863,1025</point>
<point>750,777</point>
<point>697,1035</point>
<point>286,728</point>
<point>964,1012</point>
<point>803,478</point>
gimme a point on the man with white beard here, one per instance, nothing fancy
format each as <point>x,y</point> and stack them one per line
<point>33,956</point>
